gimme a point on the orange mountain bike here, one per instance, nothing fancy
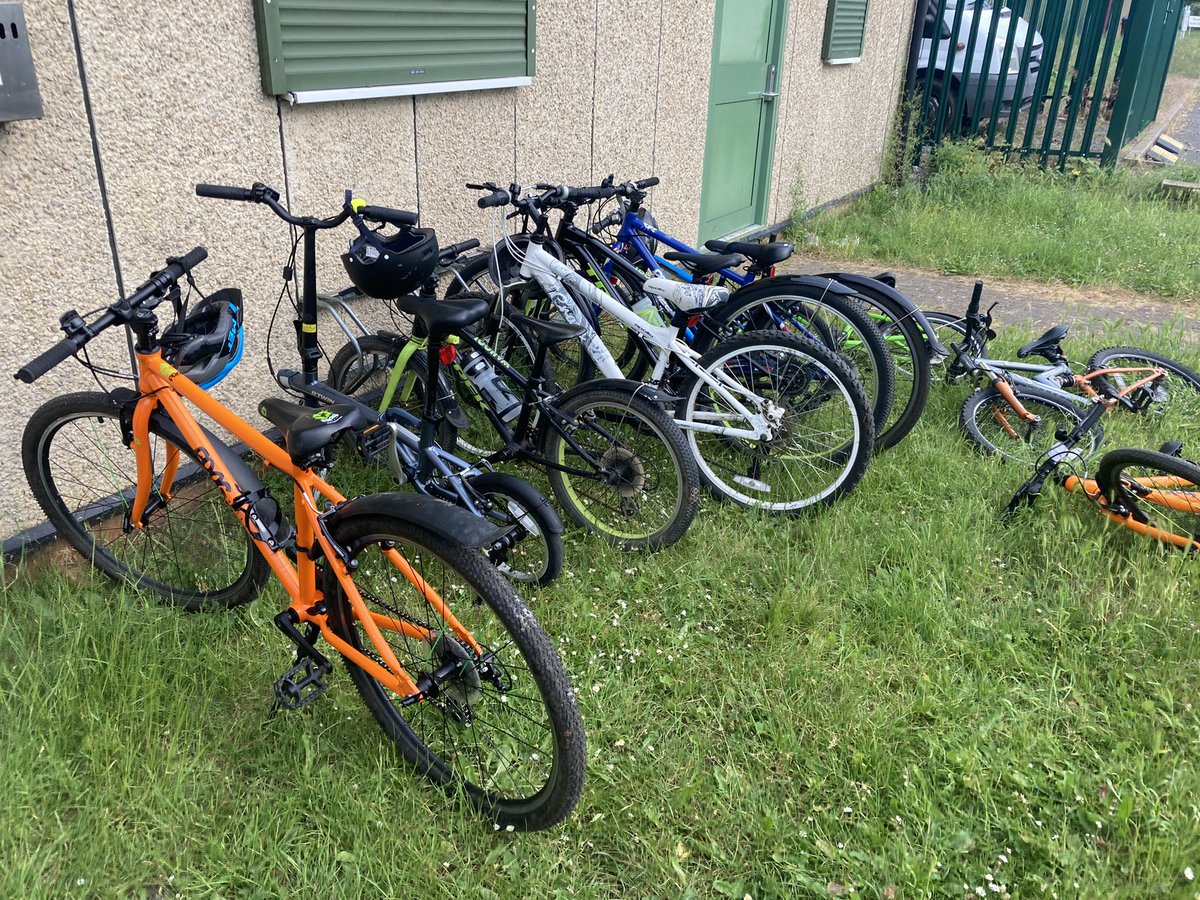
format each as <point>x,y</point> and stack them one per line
<point>448,659</point>
<point>1153,493</point>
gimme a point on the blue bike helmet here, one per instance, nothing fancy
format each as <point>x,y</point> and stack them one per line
<point>208,342</point>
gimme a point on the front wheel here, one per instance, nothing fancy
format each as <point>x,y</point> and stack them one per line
<point>995,428</point>
<point>1154,494</point>
<point>501,728</point>
<point>618,465</point>
<point>190,546</point>
<point>531,551</point>
<point>820,428</point>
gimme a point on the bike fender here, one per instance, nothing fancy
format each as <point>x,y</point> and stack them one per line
<point>624,385</point>
<point>804,284</point>
<point>243,475</point>
<point>864,284</point>
<point>446,521</point>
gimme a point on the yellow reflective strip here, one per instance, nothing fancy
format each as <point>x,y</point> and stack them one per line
<point>309,329</point>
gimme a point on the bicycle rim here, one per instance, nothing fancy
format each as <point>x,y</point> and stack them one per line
<point>820,447</point>
<point>501,727</point>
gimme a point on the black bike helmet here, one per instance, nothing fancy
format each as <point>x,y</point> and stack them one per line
<point>208,342</point>
<point>389,266</point>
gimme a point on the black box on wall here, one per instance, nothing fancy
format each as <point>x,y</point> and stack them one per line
<point>19,95</point>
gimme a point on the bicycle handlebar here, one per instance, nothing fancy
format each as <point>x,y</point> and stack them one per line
<point>176,268</point>
<point>446,254</point>
<point>224,192</point>
<point>399,217</point>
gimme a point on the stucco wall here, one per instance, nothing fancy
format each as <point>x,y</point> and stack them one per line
<point>620,87</point>
<point>834,121</point>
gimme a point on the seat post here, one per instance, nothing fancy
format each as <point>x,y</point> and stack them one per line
<point>432,370</point>
<point>306,325</point>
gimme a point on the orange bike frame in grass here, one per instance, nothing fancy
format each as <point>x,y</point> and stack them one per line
<point>1187,502</point>
<point>162,386</point>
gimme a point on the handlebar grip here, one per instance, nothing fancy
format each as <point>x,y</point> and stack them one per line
<point>224,192</point>
<point>193,258</point>
<point>976,298</point>
<point>39,366</point>
<point>592,193</point>
<point>399,217</point>
<point>646,183</point>
<point>499,198</point>
<point>456,249</point>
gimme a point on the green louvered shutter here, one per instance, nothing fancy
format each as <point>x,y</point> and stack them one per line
<point>845,30</point>
<point>330,45</point>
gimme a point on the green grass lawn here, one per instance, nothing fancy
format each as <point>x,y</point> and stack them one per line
<point>895,696</point>
<point>975,215</point>
<point>1185,60</point>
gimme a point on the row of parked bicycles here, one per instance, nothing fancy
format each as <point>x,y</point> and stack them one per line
<point>632,370</point>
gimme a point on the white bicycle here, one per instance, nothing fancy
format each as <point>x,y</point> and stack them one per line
<point>776,421</point>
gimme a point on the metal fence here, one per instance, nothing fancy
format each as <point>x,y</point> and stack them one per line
<point>1047,79</point>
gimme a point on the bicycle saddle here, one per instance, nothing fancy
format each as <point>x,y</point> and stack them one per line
<point>702,264</point>
<point>762,255</point>
<point>443,317</point>
<point>305,429</point>
<point>1046,345</point>
<point>547,331</point>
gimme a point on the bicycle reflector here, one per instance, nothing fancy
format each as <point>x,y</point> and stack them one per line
<point>448,354</point>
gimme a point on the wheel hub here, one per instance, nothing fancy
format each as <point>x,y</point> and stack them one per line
<point>624,471</point>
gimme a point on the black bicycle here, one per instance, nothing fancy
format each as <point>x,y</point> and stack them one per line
<point>529,546</point>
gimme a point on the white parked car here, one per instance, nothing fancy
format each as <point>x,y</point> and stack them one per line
<point>977,14</point>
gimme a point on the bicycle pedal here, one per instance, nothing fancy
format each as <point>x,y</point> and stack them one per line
<point>301,684</point>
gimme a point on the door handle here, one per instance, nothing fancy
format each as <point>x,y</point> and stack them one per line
<point>770,91</point>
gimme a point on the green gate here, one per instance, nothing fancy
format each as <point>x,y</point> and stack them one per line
<point>1048,79</point>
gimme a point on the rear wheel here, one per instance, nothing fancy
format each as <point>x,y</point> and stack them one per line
<point>501,727</point>
<point>637,484</point>
<point>837,322</point>
<point>994,427</point>
<point>1172,405</point>
<point>1159,495</point>
<point>191,547</point>
<point>532,551</point>
<point>822,433</point>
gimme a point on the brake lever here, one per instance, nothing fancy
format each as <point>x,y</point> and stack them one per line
<point>1026,495</point>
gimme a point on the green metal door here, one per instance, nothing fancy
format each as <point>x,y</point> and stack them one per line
<point>1145,58</point>
<point>741,115</point>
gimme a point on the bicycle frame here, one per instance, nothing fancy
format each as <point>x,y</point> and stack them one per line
<point>161,385</point>
<point>1051,377</point>
<point>1003,374</point>
<point>1187,503</point>
<point>555,277</point>
<point>634,226</point>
